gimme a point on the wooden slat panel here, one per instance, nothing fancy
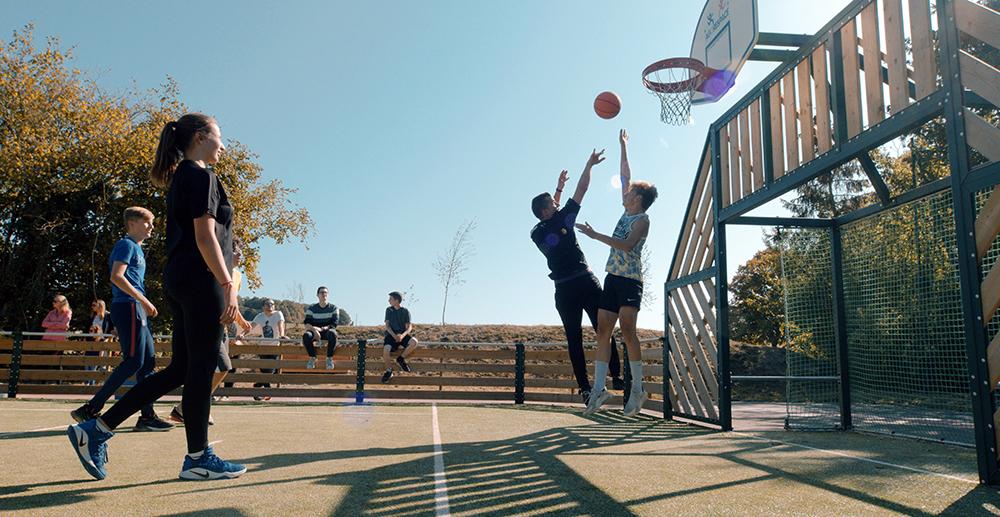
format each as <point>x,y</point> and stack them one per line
<point>852,78</point>
<point>992,362</point>
<point>6,344</point>
<point>777,137</point>
<point>689,224</point>
<point>734,161</point>
<point>791,115</point>
<point>680,382</point>
<point>706,231</point>
<point>980,77</point>
<point>708,251</point>
<point>922,44</point>
<point>978,21</point>
<point>805,110</point>
<point>727,187</point>
<point>701,228</point>
<point>706,306</point>
<point>873,65</point>
<point>691,368</point>
<point>755,140</point>
<point>982,135</point>
<point>707,338</point>
<point>988,224</point>
<point>822,100</point>
<point>700,363</point>
<point>745,153</point>
<point>991,292</point>
<point>892,19</point>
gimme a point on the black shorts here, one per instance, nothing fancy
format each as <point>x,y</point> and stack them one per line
<point>391,341</point>
<point>620,292</point>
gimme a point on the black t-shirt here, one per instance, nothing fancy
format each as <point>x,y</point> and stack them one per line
<point>397,318</point>
<point>194,192</point>
<point>556,239</point>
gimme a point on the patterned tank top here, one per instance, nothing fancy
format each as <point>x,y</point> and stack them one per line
<point>626,264</point>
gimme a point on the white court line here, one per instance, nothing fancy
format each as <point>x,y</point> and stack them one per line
<point>440,482</point>
<point>859,458</point>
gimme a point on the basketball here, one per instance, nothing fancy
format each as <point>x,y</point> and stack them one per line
<point>607,105</point>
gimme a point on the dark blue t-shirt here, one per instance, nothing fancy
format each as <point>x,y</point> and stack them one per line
<point>128,252</point>
<point>556,239</point>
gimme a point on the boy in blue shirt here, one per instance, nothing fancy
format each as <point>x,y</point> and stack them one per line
<point>130,312</point>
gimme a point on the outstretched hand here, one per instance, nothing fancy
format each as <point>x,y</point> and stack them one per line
<point>595,158</point>
<point>623,137</point>
<point>563,176</point>
<point>586,229</point>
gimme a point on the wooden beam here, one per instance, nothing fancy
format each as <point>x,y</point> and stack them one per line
<point>982,135</point>
<point>988,224</point>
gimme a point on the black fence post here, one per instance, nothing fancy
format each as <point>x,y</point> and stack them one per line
<point>359,390</point>
<point>668,408</point>
<point>15,364</point>
<point>627,377</point>
<point>519,373</point>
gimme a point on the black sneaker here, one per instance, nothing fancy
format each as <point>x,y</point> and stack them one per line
<point>617,384</point>
<point>585,394</point>
<point>402,364</point>
<point>386,376</point>
<point>84,413</point>
<point>152,423</point>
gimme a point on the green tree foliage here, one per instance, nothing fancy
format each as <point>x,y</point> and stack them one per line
<point>72,158</point>
<point>757,313</point>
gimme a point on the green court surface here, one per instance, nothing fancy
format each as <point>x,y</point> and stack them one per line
<point>427,459</point>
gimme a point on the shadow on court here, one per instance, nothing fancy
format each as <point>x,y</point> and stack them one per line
<point>590,468</point>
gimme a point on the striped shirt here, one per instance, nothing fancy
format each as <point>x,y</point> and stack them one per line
<point>318,316</point>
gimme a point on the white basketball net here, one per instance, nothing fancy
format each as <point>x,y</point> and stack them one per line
<point>675,103</point>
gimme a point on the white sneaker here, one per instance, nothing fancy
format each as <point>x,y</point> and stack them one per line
<point>311,363</point>
<point>635,402</point>
<point>596,400</point>
<point>329,363</point>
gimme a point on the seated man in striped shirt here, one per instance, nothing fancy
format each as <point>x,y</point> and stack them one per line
<point>321,323</point>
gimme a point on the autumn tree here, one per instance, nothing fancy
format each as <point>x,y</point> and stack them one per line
<point>72,157</point>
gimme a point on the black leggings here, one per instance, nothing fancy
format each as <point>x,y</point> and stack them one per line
<point>196,301</point>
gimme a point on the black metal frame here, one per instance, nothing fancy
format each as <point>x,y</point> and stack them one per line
<point>947,102</point>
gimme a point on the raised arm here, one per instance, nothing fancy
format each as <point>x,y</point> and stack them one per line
<point>563,176</point>
<point>626,174</point>
<point>640,229</point>
<point>584,183</point>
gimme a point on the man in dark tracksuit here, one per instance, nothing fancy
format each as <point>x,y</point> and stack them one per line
<point>577,289</point>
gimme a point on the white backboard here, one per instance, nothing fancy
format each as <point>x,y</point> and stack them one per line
<point>723,39</point>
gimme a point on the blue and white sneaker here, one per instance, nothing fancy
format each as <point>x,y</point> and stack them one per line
<point>90,444</point>
<point>210,466</point>
<point>597,398</point>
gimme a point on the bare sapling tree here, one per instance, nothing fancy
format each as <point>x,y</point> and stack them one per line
<point>450,265</point>
<point>295,292</point>
<point>648,295</point>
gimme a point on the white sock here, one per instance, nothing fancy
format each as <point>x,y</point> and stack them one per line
<point>102,426</point>
<point>196,455</point>
<point>636,367</point>
<point>600,375</point>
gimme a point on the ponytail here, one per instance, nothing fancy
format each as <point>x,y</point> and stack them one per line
<point>175,138</point>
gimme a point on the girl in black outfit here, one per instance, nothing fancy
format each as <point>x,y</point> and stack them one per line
<point>200,293</point>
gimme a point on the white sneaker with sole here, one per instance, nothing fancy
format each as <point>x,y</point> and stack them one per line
<point>596,400</point>
<point>635,402</point>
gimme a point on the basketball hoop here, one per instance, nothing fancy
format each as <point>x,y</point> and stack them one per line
<point>674,81</point>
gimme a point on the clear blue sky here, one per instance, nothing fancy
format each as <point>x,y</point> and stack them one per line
<point>399,120</point>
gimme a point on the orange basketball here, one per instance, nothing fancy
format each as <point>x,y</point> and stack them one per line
<point>607,105</point>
